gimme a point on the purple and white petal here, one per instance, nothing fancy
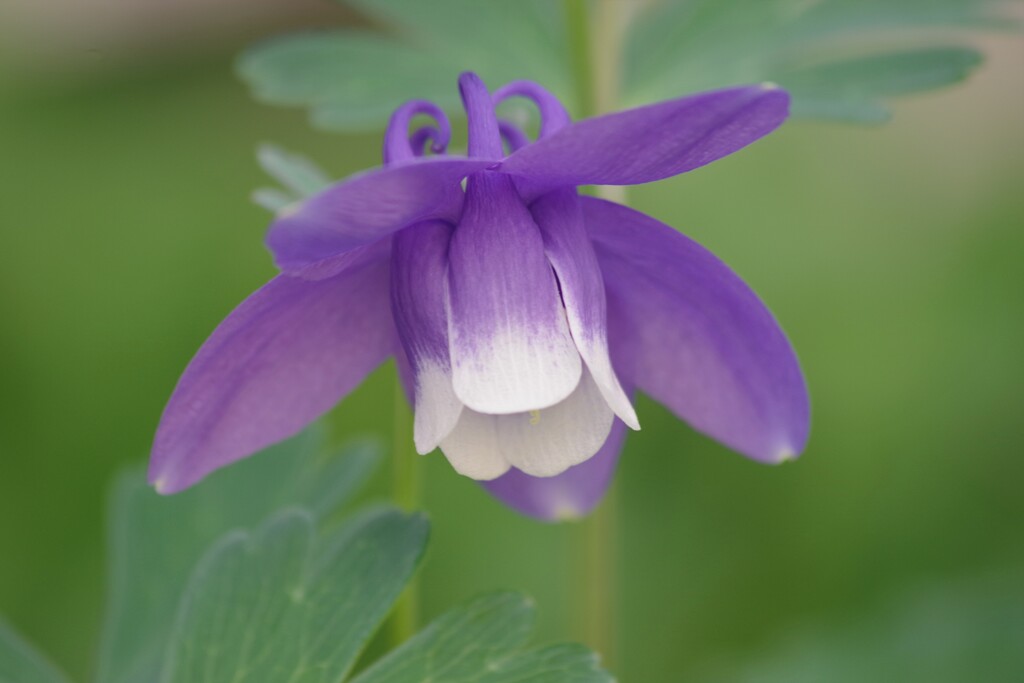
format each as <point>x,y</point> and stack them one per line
<point>419,274</point>
<point>365,208</point>
<point>701,341</point>
<point>570,252</point>
<point>652,142</point>
<point>569,495</point>
<point>286,355</point>
<point>510,344</point>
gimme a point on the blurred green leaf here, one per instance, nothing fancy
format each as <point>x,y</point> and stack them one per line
<point>295,172</point>
<point>347,78</point>
<point>840,58</point>
<point>851,89</point>
<point>830,50</point>
<point>300,177</point>
<point>481,642</point>
<point>20,663</point>
<point>943,633</point>
<point>155,541</point>
<point>353,79</point>
<point>271,198</point>
<point>285,604</point>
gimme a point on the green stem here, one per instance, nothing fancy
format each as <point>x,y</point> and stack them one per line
<point>596,51</point>
<point>598,562</point>
<point>405,480</point>
<point>579,55</point>
<point>405,487</point>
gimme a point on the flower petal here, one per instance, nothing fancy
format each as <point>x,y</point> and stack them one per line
<point>569,495</point>
<point>510,345</point>
<point>472,447</point>
<point>366,207</point>
<point>419,273</point>
<point>702,342</point>
<point>286,355</point>
<point>547,442</point>
<point>542,443</point>
<point>570,252</point>
<point>652,142</point>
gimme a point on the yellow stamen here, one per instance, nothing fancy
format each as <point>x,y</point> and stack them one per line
<point>534,417</point>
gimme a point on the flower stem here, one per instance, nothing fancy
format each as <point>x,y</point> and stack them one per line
<point>596,45</point>
<point>598,595</point>
<point>405,479</point>
<point>405,488</point>
<point>577,23</point>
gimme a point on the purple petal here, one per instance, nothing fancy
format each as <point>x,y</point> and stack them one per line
<point>419,270</point>
<point>570,252</point>
<point>348,260</point>
<point>702,342</point>
<point>571,494</point>
<point>510,345</point>
<point>365,208</point>
<point>653,142</point>
<point>286,355</point>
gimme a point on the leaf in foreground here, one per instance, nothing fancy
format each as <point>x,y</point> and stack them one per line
<point>481,642</point>
<point>155,541</point>
<point>286,604</point>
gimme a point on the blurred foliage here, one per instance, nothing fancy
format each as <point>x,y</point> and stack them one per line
<point>839,58</point>
<point>353,79</point>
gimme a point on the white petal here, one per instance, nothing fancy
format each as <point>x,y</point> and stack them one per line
<point>543,443</point>
<point>437,407</point>
<point>595,353</point>
<point>472,447</point>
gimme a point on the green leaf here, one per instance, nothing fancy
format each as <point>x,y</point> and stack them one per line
<point>481,642</point>
<point>285,604</point>
<point>354,79</point>
<point>348,79</point>
<point>851,89</point>
<point>841,58</point>
<point>155,541</point>
<point>300,176</point>
<point>297,173</point>
<point>20,663</point>
<point>272,199</point>
<point>499,40</point>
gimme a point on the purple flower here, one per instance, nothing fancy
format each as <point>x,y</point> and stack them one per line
<point>523,316</point>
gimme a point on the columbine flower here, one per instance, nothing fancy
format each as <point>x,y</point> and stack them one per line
<point>522,315</point>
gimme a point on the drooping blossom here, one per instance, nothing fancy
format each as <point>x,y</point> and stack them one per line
<point>523,316</point>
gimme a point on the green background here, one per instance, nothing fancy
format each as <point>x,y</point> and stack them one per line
<point>890,255</point>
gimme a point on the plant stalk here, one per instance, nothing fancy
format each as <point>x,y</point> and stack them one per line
<point>596,50</point>
<point>405,487</point>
